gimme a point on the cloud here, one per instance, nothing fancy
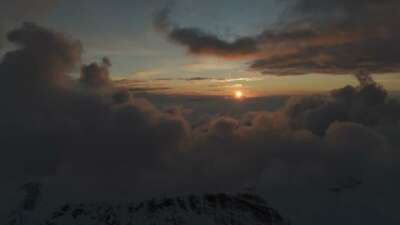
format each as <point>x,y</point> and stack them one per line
<point>147,73</point>
<point>209,65</point>
<point>241,79</point>
<point>148,89</point>
<point>16,11</point>
<point>48,108</point>
<point>184,79</point>
<point>364,78</point>
<point>197,78</point>
<point>57,130</point>
<point>229,149</point>
<point>330,37</point>
<point>96,74</point>
<point>203,43</point>
<point>218,80</point>
<point>44,58</point>
<point>141,86</point>
<point>365,105</point>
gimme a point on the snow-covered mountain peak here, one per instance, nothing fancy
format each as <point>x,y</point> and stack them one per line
<point>207,209</point>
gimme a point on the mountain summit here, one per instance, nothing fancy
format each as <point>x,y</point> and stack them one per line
<point>207,209</point>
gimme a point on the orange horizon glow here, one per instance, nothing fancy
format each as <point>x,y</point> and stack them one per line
<point>267,86</point>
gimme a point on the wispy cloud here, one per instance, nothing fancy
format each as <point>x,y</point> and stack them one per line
<point>239,79</point>
<point>210,65</point>
<point>211,79</point>
<point>139,75</point>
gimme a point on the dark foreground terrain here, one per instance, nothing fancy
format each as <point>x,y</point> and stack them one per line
<point>208,209</point>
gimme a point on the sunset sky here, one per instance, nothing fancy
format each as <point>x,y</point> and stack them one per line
<point>292,101</point>
<point>124,32</point>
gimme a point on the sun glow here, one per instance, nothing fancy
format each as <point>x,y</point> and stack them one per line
<point>238,94</point>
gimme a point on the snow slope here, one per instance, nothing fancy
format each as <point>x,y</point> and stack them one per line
<point>207,209</point>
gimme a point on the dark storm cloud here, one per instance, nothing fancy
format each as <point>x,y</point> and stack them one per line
<point>200,42</point>
<point>329,36</point>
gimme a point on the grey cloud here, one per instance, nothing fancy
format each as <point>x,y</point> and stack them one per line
<point>43,58</point>
<point>96,74</point>
<point>64,123</point>
<point>148,89</point>
<point>17,11</point>
<point>186,79</point>
<point>203,43</point>
<point>197,78</point>
<point>248,152</point>
<point>330,36</point>
<point>346,36</point>
<point>367,104</point>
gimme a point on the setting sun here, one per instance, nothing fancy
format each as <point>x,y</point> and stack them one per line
<point>238,94</point>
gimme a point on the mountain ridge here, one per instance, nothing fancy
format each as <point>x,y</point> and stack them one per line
<point>206,209</point>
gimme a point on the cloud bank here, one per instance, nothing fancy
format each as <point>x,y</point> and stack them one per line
<point>329,37</point>
<point>76,135</point>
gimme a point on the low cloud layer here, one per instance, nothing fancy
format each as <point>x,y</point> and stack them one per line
<point>333,37</point>
<point>85,134</point>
